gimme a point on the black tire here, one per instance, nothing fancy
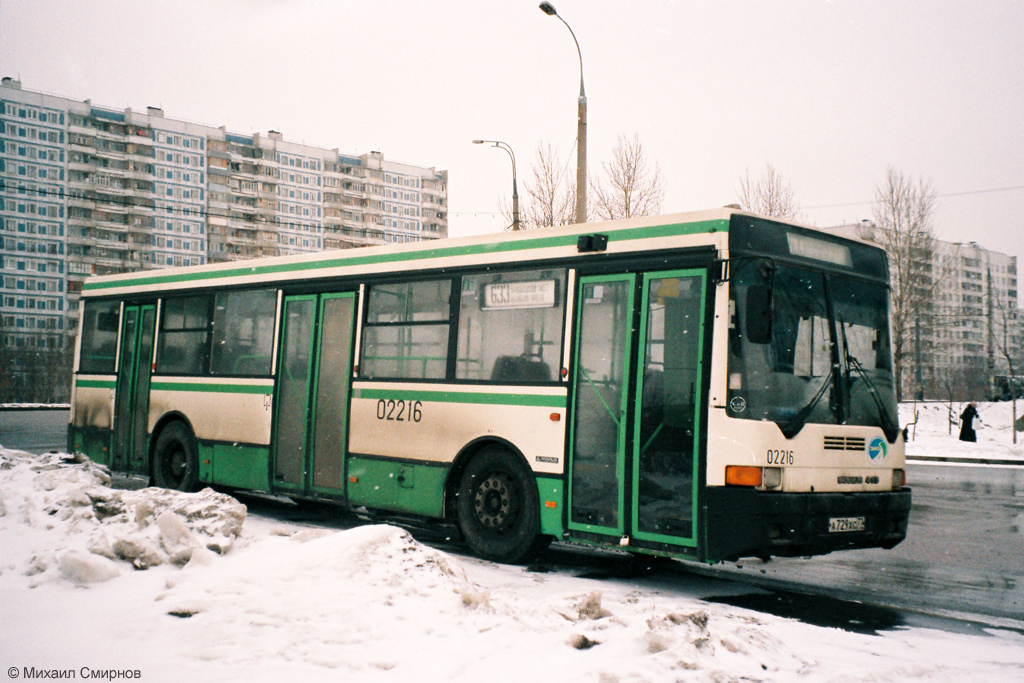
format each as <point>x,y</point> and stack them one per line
<point>175,459</point>
<point>497,508</point>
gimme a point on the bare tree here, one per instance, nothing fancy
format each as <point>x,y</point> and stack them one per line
<point>549,200</point>
<point>769,195</point>
<point>630,187</point>
<point>1007,342</point>
<point>959,383</point>
<point>903,210</point>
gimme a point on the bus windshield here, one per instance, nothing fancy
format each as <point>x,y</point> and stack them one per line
<point>824,358</point>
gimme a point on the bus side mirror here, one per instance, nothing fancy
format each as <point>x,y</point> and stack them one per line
<point>759,314</point>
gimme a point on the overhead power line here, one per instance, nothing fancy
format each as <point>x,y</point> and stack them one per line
<point>939,196</point>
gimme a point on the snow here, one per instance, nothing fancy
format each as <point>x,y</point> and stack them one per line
<point>937,428</point>
<point>166,586</point>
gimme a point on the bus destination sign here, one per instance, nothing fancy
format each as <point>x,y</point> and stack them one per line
<point>533,294</point>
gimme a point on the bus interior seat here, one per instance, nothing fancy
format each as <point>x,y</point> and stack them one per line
<point>520,369</point>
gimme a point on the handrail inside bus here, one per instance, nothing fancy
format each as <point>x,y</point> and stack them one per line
<point>593,385</point>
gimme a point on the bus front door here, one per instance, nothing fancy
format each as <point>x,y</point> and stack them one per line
<point>633,470</point>
<point>312,399</point>
<point>131,408</point>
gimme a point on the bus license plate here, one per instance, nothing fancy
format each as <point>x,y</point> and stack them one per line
<point>842,524</point>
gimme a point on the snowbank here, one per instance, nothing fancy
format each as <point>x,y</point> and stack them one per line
<point>91,530</point>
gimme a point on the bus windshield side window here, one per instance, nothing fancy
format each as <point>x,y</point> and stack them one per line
<point>243,332</point>
<point>99,336</point>
<point>183,335</point>
<point>510,326</point>
<point>406,331</point>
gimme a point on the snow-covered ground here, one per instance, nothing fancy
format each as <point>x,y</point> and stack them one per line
<point>937,429</point>
<point>163,586</point>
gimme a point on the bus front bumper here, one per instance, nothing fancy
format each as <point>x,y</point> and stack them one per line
<point>751,523</point>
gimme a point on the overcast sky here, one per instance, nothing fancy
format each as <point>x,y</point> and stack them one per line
<point>829,93</point>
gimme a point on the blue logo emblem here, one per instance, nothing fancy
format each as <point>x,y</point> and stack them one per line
<point>877,449</point>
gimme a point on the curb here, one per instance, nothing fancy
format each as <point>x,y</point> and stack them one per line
<point>926,459</point>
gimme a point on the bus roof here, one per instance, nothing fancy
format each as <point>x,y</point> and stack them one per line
<point>649,233</point>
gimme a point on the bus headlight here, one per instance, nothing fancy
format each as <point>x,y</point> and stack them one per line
<point>772,478</point>
<point>899,479</point>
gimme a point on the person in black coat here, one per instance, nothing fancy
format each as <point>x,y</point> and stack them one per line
<point>967,432</point>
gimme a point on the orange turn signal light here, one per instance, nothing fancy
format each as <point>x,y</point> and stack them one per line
<point>737,475</point>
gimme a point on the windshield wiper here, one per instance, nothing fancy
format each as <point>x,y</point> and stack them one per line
<point>792,427</point>
<point>888,426</point>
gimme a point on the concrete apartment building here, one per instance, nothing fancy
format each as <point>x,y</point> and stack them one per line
<point>971,329</point>
<point>86,189</point>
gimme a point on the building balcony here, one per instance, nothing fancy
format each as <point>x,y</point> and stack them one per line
<point>111,226</point>
<point>139,157</point>
<point>139,174</point>
<point>119,171</point>
<point>81,202</point>
<point>112,190</point>
<point>109,154</point>
<point>112,204</point>
<point>119,134</point>
<point>82,166</point>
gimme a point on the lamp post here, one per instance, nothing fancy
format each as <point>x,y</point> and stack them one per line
<point>581,126</point>
<point>515,185</point>
<point>988,313</point>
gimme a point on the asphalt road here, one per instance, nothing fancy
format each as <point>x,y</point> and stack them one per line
<point>963,557</point>
<point>34,431</point>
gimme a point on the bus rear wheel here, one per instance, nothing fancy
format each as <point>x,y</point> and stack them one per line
<point>497,508</point>
<point>175,461</point>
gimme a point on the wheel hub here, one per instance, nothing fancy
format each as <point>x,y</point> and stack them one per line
<point>493,500</point>
<point>176,465</point>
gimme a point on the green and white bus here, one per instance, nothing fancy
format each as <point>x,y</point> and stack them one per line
<point>710,385</point>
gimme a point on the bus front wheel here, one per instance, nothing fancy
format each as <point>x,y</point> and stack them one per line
<point>497,508</point>
<point>175,461</point>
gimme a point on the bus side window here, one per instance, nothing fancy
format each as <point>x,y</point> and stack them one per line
<point>99,336</point>
<point>183,335</point>
<point>243,332</point>
<point>510,326</point>
<point>406,331</point>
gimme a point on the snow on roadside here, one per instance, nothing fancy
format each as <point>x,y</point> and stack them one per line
<point>933,433</point>
<point>282,602</point>
<point>93,530</point>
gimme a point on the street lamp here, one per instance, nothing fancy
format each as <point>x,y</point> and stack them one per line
<point>515,187</point>
<point>581,126</point>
